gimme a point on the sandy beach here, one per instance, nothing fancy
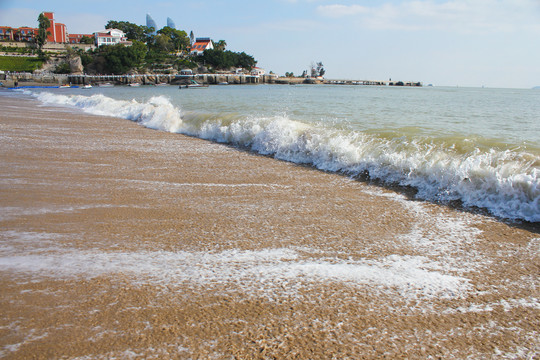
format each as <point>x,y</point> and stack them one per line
<point>117,241</point>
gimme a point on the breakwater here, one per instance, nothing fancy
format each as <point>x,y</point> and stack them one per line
<point>155,79</point>
<point>25,79</point>
<point>49,79</point>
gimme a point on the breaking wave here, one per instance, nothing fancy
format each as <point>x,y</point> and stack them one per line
<point>474,171</point>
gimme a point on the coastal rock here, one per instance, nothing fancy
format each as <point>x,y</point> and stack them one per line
<point>76,66</point>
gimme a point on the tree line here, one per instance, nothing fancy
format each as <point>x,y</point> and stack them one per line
<point>161,51</point>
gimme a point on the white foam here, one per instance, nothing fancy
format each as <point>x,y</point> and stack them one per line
<point>158,113</point>
<point>411,276</point>
<point>506,182</point>
<point>506,304</point>
<point>168,184</point>
<point>446,238</point>
<point>11,212</point>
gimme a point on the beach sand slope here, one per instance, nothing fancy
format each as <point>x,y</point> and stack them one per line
<point>118,241</point>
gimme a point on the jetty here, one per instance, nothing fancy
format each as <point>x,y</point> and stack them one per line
<point>155,79</point>
<point>50,79</point>
<point>373,82</point>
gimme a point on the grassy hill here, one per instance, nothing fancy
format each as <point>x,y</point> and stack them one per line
<point>20,63</point>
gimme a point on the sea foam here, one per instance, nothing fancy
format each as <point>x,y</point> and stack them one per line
<point>505,182</point>
<point>412,276</point>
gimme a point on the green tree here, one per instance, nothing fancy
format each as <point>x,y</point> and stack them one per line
<point>178,38</point>
<point>9,31</point>
<point>44,24</point>
<point>70,52</point>
<point>17,35</point>
<point>219,59</point>
<point>86,57</point>
<point>220,45</point>
<point>245,61</point>
<point>87,40</point>
<point>119,59</point>
<point>184,63</point>
<point>63,68</point>
<point>132,31</point>
<point>162,43</point>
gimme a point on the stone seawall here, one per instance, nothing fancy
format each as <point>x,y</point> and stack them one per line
<point>27,79</point>
<point>155,79</point>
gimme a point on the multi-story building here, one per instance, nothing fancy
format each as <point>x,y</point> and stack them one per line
<point>6,33</point>
<point>57,31</point>
<point>151,23</point>
<point>170,23</point>
<point>24,33</point>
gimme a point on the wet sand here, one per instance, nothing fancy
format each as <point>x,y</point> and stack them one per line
<point>118,241</point>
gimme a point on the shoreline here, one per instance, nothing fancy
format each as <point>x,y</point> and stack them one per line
<point>121,241</point>
<point>410,192</point>
<point>205,79</point>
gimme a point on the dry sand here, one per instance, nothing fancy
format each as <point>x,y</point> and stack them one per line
<point>118,241</point>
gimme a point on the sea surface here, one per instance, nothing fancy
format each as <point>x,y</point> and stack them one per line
<point>474,146</point>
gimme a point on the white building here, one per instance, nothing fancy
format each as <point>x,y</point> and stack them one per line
<point>200,45</point>
<point>111,37</point>
<point>257,71</point>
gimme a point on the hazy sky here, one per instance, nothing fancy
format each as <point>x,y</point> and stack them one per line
<point>495,43</point>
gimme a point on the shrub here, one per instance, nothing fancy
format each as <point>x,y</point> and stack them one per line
<point>63,68</point>
<point>20,63</point>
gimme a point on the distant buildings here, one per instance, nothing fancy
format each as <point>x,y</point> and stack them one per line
<point>151,23</point>
<point>58,33</point>
<point>24,33</point>
<point>257,71</point>
<point>76,38</point>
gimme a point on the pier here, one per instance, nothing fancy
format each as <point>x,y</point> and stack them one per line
<point>373,82</point>
<point>50,79</point>
<point>156,79</point>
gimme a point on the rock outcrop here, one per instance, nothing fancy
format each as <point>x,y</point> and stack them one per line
<point>75,65</point>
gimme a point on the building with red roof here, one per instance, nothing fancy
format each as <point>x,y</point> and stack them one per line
<point>23,33</point>
<point>6,33</point>
<point>200,45</point>
<point>57,32</point>
<point>76,38</point>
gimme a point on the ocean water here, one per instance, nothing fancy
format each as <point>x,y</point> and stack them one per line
<point>480,147</point>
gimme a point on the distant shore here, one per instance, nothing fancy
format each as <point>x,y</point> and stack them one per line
<point>27,79</point>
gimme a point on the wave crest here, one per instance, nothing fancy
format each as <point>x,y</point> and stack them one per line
<point>505,182</point>
<point>158,113</point>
